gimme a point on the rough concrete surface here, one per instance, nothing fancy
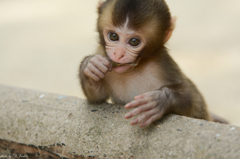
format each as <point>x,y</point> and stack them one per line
<point>42,119</point>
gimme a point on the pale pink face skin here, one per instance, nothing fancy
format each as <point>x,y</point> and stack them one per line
<point>121,51</point>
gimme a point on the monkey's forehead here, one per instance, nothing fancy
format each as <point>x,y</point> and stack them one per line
<point>137,12</point>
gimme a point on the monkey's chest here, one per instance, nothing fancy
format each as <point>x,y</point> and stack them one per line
<point>124,89</point>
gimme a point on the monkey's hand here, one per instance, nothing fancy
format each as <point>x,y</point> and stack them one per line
<point>151,105</point>
<point>96,67</point>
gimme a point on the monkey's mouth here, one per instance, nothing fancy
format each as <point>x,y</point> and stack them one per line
<point>115,64</point>
<point>133,64</point>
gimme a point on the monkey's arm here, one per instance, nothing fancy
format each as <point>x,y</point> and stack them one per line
<point>94,88</point>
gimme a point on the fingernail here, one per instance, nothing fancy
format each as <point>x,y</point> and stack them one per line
<point>128,105</point>
<point>134,122</point>
<point>137,97</point>
<point>127,116</point>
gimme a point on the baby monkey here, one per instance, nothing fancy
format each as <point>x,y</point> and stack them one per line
<point>132,66</point>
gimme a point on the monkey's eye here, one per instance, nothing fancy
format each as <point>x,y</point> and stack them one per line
<point>134,42</point>
<point>113,36</point>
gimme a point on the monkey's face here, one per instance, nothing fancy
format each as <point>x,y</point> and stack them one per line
<point>123,45</point>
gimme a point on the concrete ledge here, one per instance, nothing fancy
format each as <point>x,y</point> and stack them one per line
<point>44,125</point>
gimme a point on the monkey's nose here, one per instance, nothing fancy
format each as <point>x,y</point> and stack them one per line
<point>119,56</point>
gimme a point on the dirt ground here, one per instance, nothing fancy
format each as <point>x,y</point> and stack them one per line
<point>42,43</point>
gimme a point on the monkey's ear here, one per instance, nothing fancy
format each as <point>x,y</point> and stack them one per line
<point>99,7</point>
<point>170,30</point>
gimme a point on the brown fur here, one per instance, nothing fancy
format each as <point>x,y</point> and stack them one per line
<point>157,70</point>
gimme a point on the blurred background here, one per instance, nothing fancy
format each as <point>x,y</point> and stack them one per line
<point>42,43</point>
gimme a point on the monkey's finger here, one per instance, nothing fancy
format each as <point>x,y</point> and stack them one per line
<point>150,120</point>
<point>100,66</point>
<point>140,110</point>
<point>103,68</point>
<point>141,96</point>
<point>91,75</point>
<point>145,116</point>
<point>95,70</point>
<point>138,97</point>
<point>137,103</point>
<point>105,61</point>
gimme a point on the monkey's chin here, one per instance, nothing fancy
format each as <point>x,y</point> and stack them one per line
<point>122,69</point>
